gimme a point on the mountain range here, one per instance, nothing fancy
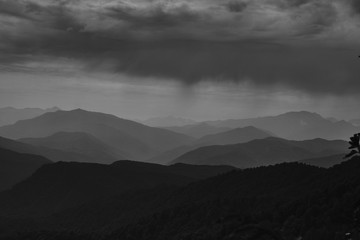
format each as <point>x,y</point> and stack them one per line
<point>233,136</point>
<point>84,136</point>
<point>128,139</point>
<point>295,126</point>
<point>63,175</point>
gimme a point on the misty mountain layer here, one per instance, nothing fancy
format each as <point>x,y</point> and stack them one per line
<point>262,152</point>
<point>127,138</point>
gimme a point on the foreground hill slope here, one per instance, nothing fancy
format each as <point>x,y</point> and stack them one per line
<point>129,138</point>
<point>325,162</point>
<point>291,199</point>
<point>61,185</point>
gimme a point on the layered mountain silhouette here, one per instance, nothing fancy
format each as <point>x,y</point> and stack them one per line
<point>10,115</point>
<point>169,121</point>
<point>230,179</point>
<point>56,154</point>
<point>129,139</point>
<point>198,130</point>
<point>15,167</point>
<point>295,126</point>
<point>17,146</point>
<point>262,152</point>
<point>238,135</point>
<point>61,185</point>
<point>78,143</point>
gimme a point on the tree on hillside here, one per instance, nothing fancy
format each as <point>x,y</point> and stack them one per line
<point>354,145</point>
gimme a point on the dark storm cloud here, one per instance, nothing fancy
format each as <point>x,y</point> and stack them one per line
<point>269,43</point>
<point>236,6</point>
<point>13,9</point>
<point>319,18</point>
<point>155,17</point>
<point>355,4</point>
<point>309,69</point>
<point>55,16</point>
<point>294,3</point>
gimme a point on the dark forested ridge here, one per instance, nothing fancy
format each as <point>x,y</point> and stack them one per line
<point>325,162</point>
<point>285,201</point>
<point>15,167</point>
<point>63,185</point>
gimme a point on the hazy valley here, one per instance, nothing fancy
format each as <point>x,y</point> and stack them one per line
<point>87,175</point>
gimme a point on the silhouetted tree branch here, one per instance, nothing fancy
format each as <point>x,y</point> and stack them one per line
<point>354,145</point>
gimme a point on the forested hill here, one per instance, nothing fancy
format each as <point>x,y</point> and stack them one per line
<point>290,200</point>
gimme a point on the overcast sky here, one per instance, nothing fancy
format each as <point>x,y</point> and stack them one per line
<point>201,59</point>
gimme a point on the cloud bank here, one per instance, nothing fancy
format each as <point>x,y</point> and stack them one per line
<point>308,45</point>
